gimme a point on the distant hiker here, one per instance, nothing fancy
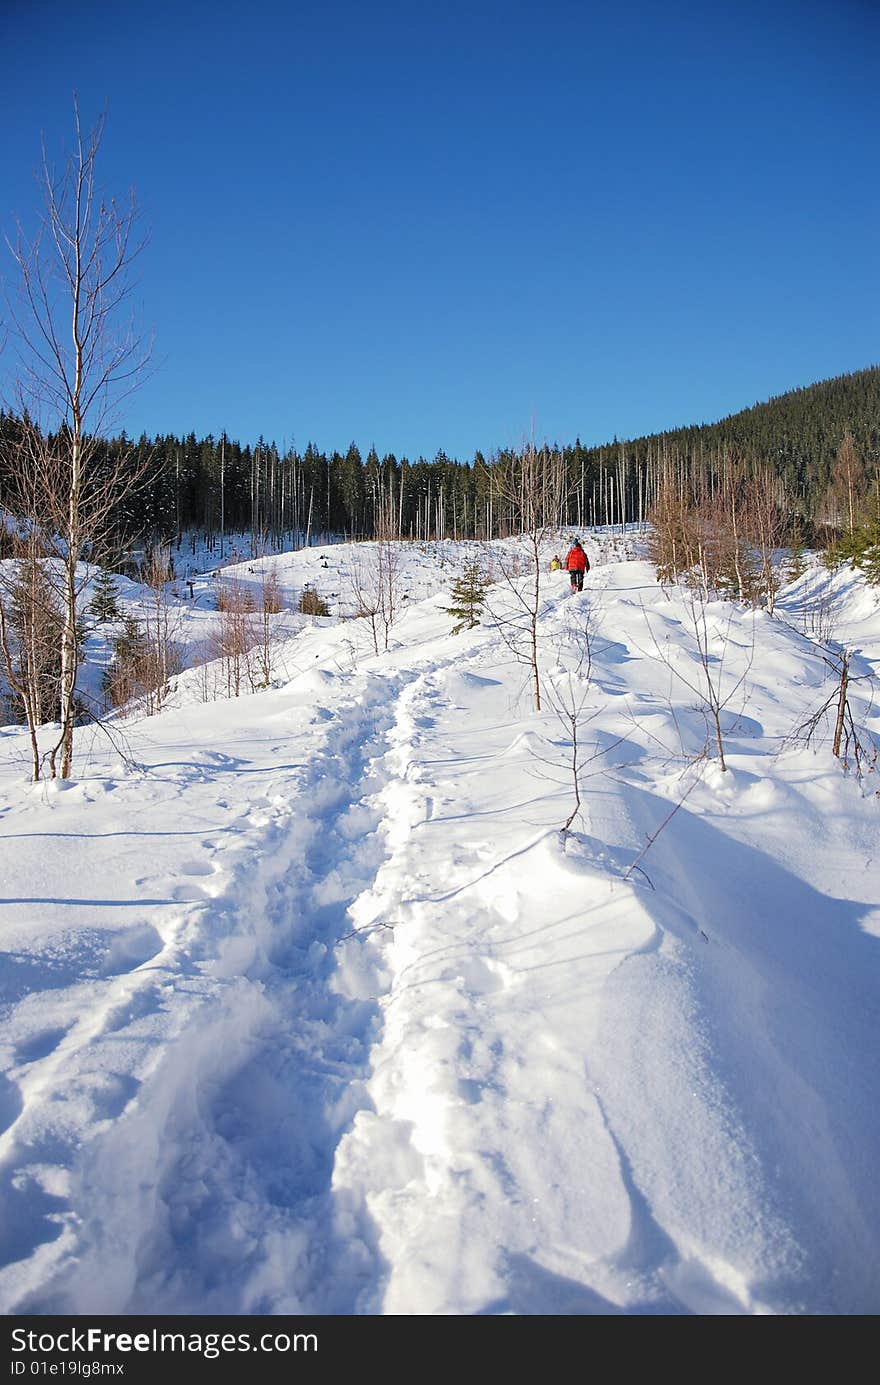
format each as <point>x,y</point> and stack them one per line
<point>555,563</point>
<point>577,563</point>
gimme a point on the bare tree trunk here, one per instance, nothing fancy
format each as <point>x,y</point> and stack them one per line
<point>79,358</point>
<point>841,703</point>
<point>73,536</point>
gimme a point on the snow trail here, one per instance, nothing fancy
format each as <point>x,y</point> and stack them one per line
<point>323,1014</point>
<point>230,1149</point>
<point>489,1161</point>
<point>563,1120</point>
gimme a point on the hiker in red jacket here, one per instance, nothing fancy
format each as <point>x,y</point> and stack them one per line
<point>577,563</point>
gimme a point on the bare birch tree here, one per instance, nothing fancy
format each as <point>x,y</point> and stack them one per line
<point>767,520</point>
<point>79,356</point>
<point>269,607</point>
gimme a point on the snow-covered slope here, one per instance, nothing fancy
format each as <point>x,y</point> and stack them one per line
<point>317,1011</point>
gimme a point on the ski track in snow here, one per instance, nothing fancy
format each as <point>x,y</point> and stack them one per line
<point>524,1084</point>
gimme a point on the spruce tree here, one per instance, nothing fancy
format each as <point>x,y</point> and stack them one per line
<point>310,603</point>
<point>104,604</point>
<point>468,597</point>
<point>869,560</point>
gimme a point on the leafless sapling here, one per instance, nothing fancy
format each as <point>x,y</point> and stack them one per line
<point>569,693</point>
<point>376,585</point>
<point>79,355</point>
<point>234,634</point>
<point>531,484</point>
<point>164,655</point>
<point>851,743</point>
<point>716,685</point>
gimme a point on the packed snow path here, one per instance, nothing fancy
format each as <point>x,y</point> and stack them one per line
<point>213,1188</point>
<point>322,1014</point>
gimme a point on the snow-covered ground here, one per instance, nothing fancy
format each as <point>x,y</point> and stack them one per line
<point>308,1006</point>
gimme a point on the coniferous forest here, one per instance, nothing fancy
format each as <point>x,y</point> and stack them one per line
<point>217,486</point>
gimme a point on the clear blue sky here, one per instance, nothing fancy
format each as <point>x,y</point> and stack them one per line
<point>427,226</point>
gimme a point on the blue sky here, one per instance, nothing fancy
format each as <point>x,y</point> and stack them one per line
<point>423,226</point>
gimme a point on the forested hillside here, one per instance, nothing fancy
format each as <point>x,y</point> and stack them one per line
<point>799,432</point>
<point>216,486</point>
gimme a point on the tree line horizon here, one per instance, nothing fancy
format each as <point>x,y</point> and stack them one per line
<point>216,487</point>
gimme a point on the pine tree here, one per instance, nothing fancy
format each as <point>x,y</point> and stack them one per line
<point>869,560</point>
<point>469,597</point>
<point>104,604</point>
<point>861,548</point>
<point>310,603</point>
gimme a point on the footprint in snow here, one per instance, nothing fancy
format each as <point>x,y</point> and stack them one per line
<point>143,1001</point>
<point>39,1045</point>
<point>130,948</point>
<point>188,894</point>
